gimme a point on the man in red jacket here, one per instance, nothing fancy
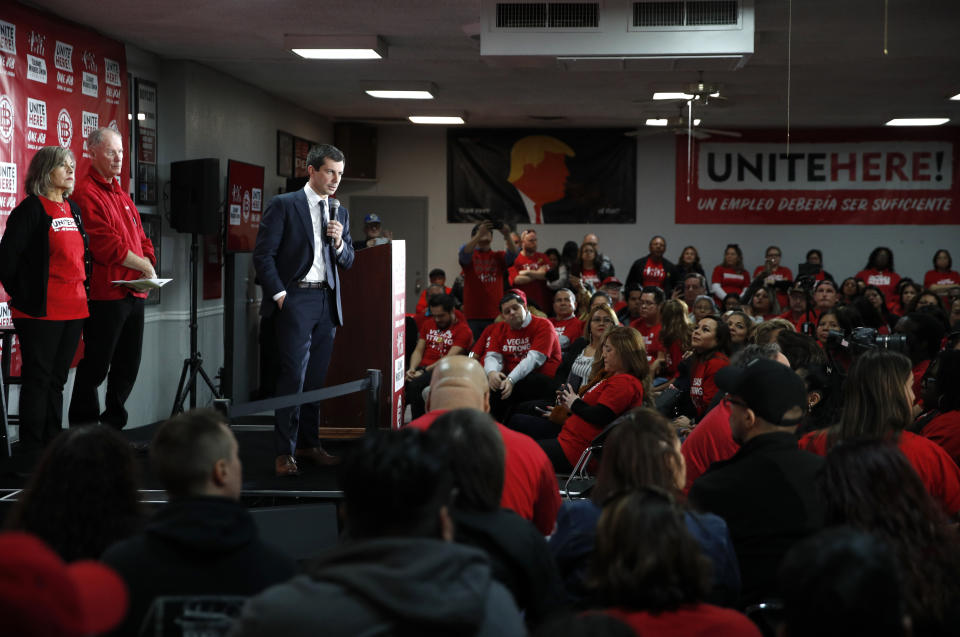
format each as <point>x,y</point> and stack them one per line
<point>113,335</point>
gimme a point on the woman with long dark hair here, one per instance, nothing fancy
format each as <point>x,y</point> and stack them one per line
<point>589,271</point>
<point>648,572</point>
<point>741,329</point>
<point>907,298</point>
<point>878,404</point>
<point>83,496</point>
<point>44,266</point>
<point>619,380</point>
<point>849,290</point>
<point>730,277</point>
<point>710,343</point>
<point>689,261</point>
<point>869,484</point>
<point>874,297</point>
<point>674,338</point>
<point>762,304</point>
<point>642,451</point>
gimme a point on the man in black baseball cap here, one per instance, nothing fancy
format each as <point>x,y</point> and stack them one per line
<point>766,492</point>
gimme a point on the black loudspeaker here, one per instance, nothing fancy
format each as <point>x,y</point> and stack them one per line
<point>195,196</point>
<point>359,144</point>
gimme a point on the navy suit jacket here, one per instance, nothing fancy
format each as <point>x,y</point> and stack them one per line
<point>284,250</point>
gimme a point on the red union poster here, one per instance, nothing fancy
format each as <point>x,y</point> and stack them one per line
<point>58,82</point>
<point>245,205</point>
<point>829,177</point>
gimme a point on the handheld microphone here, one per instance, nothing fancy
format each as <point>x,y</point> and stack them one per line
<point>334,208</point>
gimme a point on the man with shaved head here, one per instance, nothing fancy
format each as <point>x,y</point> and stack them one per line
<point>530,485</point>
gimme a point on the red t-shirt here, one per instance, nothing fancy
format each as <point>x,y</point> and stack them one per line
<point>703,387</point>
<point>568,330</point>
<point>918,371</point>
<point>529,484</point>
<point>694,620</point>
<point>538,335</point>
<point>937,471</point>
<point>536,291</point>
<point>883,279</point>
<point>619,393</point>
<point>935,277</point>
<point>730,280</point>
<point>654,273</point>
<point>945,431</point>
<point>440,341</point>
<point>650,334</point>
<point>589,277</point>
<point>673,353</point>
<point>483,284</point>
<point>66,296</point>
<point>710,441</point>
<point>422,302</point>
<point>482,344</point>
<point>798,323</point>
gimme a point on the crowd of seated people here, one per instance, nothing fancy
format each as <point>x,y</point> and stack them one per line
<point>761,442</point>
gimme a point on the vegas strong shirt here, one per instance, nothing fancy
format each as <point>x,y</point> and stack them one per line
<point>483,283</point>
<point>440,341</point>
<point>539,335</point>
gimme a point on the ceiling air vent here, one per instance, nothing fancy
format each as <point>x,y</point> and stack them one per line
<point>686,13</point>
<point>547,15</point>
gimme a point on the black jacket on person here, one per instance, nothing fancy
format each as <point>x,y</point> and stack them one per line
<point>25,255</point>
<point>519,557</point>
<point>201,545</point>
<point>635,276</point>
<point>767,497</point>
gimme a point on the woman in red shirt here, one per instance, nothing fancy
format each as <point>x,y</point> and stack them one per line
<point>730,277</point>
<point>619,380</point>
<point>711,348</point>
<point>741,328</point>
<point>941,278</point>
<point>648,570</point>
<point>880,272</point>
<point>674,338</point>
<point>907,299</point>
<point>762,305</point>
<point>44,265</point>
<point>689,261</point>
<point>878,403</point>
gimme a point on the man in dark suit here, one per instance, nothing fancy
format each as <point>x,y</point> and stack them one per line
<point>303,237</point>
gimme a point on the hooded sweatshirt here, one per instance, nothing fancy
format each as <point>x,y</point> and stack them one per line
<point>387,586</point>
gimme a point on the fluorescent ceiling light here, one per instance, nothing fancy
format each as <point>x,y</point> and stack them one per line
<point>665,122</point>
<point>400,95</point>
<point>918,121</point>
<point>436,119</point>
<point>679,96</point>
<point>956,98</point>
<point>337,54</point>
<point>336,47</point>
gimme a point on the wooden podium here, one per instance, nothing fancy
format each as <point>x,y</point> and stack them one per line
<point>372,293</point>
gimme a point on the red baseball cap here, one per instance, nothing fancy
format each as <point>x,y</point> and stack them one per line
<point>520,293</point>
<point>610,280</point>
<point>42,595</point>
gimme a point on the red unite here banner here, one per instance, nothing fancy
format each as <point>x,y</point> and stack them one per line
<point>878,176</point>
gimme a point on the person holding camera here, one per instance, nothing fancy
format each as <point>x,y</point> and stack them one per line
<point>484,270</point>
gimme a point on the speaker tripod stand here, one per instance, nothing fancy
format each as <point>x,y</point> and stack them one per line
<point>194,365</point>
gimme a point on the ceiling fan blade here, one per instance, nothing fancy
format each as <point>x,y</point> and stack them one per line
<point>645,132</point>
<point>727,133</point>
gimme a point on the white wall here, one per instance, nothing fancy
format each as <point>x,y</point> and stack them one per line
<point>412,161</point>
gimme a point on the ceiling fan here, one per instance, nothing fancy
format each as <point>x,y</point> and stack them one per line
<point>701,93</point>
<point>678,125</point>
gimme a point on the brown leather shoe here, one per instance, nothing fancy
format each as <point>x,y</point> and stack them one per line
<point>286,466</point>
<point>317,455</point>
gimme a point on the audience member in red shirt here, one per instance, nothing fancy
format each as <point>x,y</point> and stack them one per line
<point>797,312</point>
<point>483,273</point>
<point>878,403</point>
<point>762,304</point>
<point>645,573</point>
<point>653,269</point>
<point>824,295</point>
<point>523,356</point>
<point>730,277</point>
<point>942,424</point>
<point>589,271</point>
<point>565,321</point>
<point>941,278</point>
<point>775,275</point>
<point>741,328</point>
<point>907,298</point>
<point>880,272</point>
<point>530,486</point>
<point>711,346</point>
<point>673,339</point>
<point>44,262</point>
<point>648,323</point>
<point>437,277</point>
<point>441,334</point>
<point>529,270</point>
<point>618,382</point>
